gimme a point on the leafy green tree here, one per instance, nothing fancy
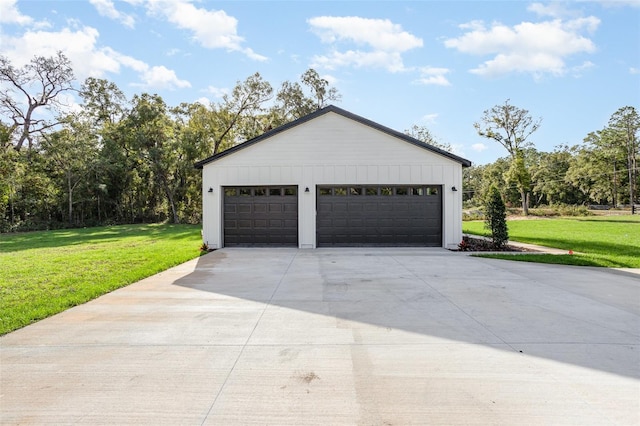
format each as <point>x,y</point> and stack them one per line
<point>423,134</point>
<point>8,175</point>
<point>494,174</point>
<point>496,218</point>
<point>590,173</point>
<point>605,168</point>
<point>511,126</point>
<point>150,134</point>
<point>195,130</point>
<point>117,166</point>
<point>73,153</point>
<point>320,89</point>
<point>236,117</point>
<point>518,173</point>
<point>32,195</point>
<point>104,102</point>
<point>293,102</point>
<point>548,175</point>
<point>472,184</point>
<point>104,107</point>
<point>625,125</point>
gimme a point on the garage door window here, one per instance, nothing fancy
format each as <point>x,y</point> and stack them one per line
<point>369,191</point>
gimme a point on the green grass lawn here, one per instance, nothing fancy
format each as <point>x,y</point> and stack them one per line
<point>43,273</point>
<point>608,241</point>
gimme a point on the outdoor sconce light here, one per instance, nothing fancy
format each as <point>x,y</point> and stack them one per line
<point>210,190</point>
<point>454,189</point>
<point>306,189</point>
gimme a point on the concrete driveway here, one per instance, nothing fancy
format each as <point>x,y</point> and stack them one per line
<point>337,336</point>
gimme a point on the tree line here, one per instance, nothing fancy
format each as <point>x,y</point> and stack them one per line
<point>118,160</point>
<point>602,170</point>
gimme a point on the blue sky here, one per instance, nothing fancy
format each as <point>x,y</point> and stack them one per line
<point>438,64</point>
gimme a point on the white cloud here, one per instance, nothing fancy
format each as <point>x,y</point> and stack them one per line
<point>381,34</point>
<point>294,58</point>
<point>472,25</point>
<point>435,76</point>
<point>528,47</point>
<point>620,3</point>
<point>554,10</point>
<point>379,42</point>
<point>217,92</point>
<point>478,147</point>
<point>392,61</point>
<point>160,77</point>
<point>578,69</point>
<point>430,118</point>
<point>9,14</point>
<point>79,47</point>
<point>204,101</point>
<point>212,29</point>
<point>88,60</point>
<point>127,61</point>
<point>330,79</point>
<point>634,70</point>
<point>108,9</point>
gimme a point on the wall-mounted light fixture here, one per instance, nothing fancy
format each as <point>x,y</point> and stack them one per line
<point>306,189</point>
<point>454,189</point>
<point>210,189</point>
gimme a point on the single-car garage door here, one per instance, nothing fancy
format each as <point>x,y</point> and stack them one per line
<point>379,216</point>
<point>261,216</point>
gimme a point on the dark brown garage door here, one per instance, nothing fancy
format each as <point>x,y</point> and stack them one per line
<point>379,216</point>
<point>261,216</point>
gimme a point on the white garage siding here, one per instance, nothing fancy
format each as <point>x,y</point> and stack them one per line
<point>330,149</point>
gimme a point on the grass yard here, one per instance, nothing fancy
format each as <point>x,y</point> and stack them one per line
<point>608,241</point>
<point>43,273</point>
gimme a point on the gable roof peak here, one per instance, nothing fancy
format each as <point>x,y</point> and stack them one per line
<point>322,111</point>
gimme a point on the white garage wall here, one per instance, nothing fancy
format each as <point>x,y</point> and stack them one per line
<point>330,150</point>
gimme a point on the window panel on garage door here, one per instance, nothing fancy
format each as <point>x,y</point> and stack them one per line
<point>260,216</point>
<point>379,215</point>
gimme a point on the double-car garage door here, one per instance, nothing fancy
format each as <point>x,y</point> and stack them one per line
<point>379,216</point>
<point>345,216</point>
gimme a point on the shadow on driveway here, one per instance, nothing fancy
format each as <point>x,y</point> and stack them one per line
<point>588,317</point>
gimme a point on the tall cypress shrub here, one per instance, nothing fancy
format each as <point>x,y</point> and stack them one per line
<point>496,218</point>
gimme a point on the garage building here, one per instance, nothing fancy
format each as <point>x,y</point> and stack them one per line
<point>332,179</point>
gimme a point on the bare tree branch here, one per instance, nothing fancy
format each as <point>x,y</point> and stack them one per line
<point>38,84</point>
